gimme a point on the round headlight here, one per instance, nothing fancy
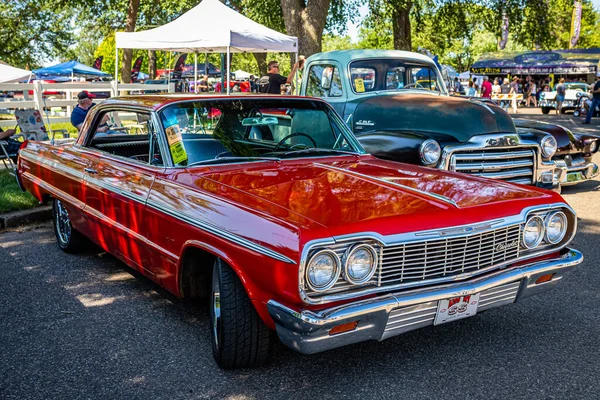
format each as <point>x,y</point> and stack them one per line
<point>556,227</point>
<point>549,146</point>
<point>533,233</point>
<point>593,146</point>
<point>323,270</point>
<point>430,152</point>
<point>360,265</point>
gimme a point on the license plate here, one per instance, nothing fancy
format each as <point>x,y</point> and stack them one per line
<point>456,308</point>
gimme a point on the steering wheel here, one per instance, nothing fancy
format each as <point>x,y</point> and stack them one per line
<point>291,136</point>
<point>417,85</point>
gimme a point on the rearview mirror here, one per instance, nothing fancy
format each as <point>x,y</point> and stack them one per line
<point>259,121</point>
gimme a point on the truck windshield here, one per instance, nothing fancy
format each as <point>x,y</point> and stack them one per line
<point>248,130</point>
<point>394,74</point>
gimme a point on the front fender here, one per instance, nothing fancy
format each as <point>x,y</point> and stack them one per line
<point>394,146</point>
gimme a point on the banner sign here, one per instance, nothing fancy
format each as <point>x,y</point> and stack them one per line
<point>575,61</point>
<point>575,23</point>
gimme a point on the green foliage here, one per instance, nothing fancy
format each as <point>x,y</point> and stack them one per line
<point>11,197</point>
<point>33,31</point>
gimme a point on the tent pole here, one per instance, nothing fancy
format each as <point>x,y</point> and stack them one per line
<point>295,83</point>
<point>228,62</point>
<point>196,72</point>
<point>169,72</point>
<point>116,71</point>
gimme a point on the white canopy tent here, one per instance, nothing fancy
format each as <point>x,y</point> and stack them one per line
<point>11,74</point>
<point>241,74</point>
<point>210,27</point>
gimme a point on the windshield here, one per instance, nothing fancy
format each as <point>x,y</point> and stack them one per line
<point>238,130</point>
<point>394,74</point>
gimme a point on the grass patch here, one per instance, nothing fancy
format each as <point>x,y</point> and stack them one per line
<point>11,197</point>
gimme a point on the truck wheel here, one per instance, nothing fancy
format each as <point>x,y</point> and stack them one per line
<point>240,339</point>
<point>545,110</point>
<point>69,240</point>
<point>576,113</point>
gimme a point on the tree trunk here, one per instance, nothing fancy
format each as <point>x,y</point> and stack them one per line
<point>401,24</point>
<point>132,13</point>
<point>152,63</point>
<point>306,21</point>
<point>261,60</point>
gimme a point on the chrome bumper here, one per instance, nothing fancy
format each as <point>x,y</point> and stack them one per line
<point>393,314</point>
<point>572,175</point>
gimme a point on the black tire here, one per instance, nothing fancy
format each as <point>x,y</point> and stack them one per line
<point>546,110</point>
<point>240,339</point>
<point>68,239</point>
<point>576,113</point>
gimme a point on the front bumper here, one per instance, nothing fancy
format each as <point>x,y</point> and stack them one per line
<point>393,314</point>
<point>567,104</point>
<point>571,175</point>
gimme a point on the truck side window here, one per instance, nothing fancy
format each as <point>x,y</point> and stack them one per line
<point>324,81</point>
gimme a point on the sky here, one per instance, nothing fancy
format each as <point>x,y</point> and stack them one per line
<point>364,10</point>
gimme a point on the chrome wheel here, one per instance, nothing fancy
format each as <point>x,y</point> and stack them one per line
<point>216,309</point>
<point>63,223</point>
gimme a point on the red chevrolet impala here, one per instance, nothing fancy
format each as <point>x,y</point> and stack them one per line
<point>270,208</point>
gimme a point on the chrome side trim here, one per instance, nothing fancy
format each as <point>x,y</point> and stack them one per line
<point>423,237</point>
<point>220,233</point>
<point>435,196</point>
<point>57,193</point>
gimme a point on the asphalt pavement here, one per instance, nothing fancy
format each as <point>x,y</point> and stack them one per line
<point>87,327</point>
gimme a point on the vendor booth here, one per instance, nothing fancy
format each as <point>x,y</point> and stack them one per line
<point>571,64</point>
<point>69,69</point>
<point>210,27</point>
<point>11,74</point>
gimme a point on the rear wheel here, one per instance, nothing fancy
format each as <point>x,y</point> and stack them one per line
<point>240,339</point>
<point>546,110</point>
<point>69,240</point>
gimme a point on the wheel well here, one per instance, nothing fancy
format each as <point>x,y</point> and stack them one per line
<point>196,273</point>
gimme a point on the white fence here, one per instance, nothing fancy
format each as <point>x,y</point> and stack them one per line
<point>33,96</point>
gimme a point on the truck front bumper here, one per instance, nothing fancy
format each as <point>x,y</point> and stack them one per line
<point>393,314</point>
<point>571,175</point>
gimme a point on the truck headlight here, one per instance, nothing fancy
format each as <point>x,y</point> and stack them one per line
<point>430,152</point>
<point>556,227</point>
<point>323,270</point>
<point>533,232</point>
<point>593,146</point>
<point>360,264</point>
<point>549,146</point>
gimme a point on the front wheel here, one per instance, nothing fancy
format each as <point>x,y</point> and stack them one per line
<point>240,339</point>
<point>546,110</point>
<point>576,113</point>
<point>69,240</point>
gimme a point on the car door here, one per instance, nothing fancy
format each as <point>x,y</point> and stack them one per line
<point>123,160</point>
<point>324,81</point>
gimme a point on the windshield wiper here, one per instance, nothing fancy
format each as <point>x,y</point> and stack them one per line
<point>224,160</point>
<point>320,150</point>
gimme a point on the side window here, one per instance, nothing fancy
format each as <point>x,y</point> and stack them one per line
<point>127,134</point>
<point>324,81</point>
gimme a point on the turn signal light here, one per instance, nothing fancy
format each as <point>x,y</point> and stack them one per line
<point>544,279</point>
<point>347,327</point>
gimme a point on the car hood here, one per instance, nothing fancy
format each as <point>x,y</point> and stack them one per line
<point>441,117</point>
<point>357,191</point>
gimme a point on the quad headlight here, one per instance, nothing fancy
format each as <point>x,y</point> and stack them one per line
<point>323,270</point>
<point>360,264</point>
<point>549,146</point>
<point>593,146</point>
<point>533,232</point>
<point>556,227</point>
<point>430,152</point>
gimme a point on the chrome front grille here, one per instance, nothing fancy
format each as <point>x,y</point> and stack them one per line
<point>443,259</point>
<point>516,166</point>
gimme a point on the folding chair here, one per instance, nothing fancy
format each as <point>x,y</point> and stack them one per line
<point>7,159</point>
<point>32,126</point>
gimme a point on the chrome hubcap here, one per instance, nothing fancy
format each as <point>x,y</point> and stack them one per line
<point>63,224</point>
<point>216,308</point>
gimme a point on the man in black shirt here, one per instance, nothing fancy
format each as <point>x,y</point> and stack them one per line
<point>276,80</point>
<point>595,100</point>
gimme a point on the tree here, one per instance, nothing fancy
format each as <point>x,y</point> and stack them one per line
<point>306,20</point>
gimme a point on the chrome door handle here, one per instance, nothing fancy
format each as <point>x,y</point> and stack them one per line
<point>90,171</point>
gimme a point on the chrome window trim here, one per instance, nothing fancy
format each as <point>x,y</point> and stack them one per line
<point>424,236</point>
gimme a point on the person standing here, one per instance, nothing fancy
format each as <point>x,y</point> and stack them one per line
<point>471,92</point>
<point>595,100</point>
<point>276,80</point>
<point>505,90</point>
<point>514,91</point>
<point>486,88</point>
<point>532,94</point>
<point>560,95</point>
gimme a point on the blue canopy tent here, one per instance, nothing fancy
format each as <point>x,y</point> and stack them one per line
<point>70,68</point>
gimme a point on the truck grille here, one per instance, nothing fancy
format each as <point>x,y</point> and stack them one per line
<point>444,258</point>
<point>515,166</point>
